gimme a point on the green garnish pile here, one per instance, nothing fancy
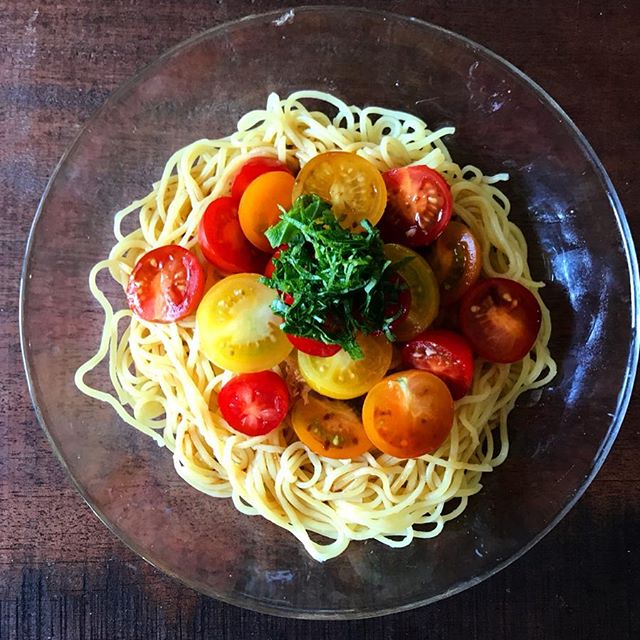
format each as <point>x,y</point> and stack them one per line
<point>340,281</point>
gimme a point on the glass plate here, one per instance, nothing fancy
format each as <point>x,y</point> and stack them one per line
<point>562,199</point>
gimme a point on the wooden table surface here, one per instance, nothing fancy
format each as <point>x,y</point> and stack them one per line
<point>62,574</point>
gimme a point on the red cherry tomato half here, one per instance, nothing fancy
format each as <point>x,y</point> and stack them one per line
<point>445,354</point>
<point>223,243</point>
<point>501,319</point>
<point>270,268</point>
<point>254,403</point>
<point>250,170</point>
<point>419,205</point>
<point>313,347</point>
<point>166,284</point>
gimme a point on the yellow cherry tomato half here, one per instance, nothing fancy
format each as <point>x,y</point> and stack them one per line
<point>423,287</point>
<point>238,331</point>
<point>340,376</point>
<point>408,414</point>
<point>352,185</point>
<point>330,428</point>
<point>260,205</point>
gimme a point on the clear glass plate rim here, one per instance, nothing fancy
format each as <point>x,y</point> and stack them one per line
<point>634,286</point>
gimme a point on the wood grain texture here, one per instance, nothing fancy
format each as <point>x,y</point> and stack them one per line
<point>62,574</point>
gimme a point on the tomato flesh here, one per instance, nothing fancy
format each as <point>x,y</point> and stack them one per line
<point>341,377</point>
<point>400,308</point>
<point>329,428</point>
<point>254,403</point>
<point>237,329</point>
<point>313,347</point>
<point>352,185</point>
<point>423,291</point>
<point>456,259</point>
<point>445,354</point>
<point>408,414</point>
<point>165,285</point>
<point>261,204</point>
<point>270,268</point>
<point>224,244</point>
<point>250,170</point>
<point>419,205</point>
<point>501,319</point>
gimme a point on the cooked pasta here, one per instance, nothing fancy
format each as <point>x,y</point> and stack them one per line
<point>164,386</point>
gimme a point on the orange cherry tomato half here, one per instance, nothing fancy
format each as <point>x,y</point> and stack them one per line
<point>408,414</point>
<point>250,170</point>
<point>445,354</point>
<point>330,428</point>
<point>166,284</point>
<point>419,205</point>
<point>352,185</point>
<point>260,205</point>
<point>254,403</point>
<point>224,244</point>
<point>501,319</point>
<point>456,259</point>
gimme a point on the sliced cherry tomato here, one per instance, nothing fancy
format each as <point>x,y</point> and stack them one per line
<point>501,319</point>
<point>419,205</point>
<point>352,185</point>
<point>260,205</point>
<point>313,347</point>
<point>224,244</point>
<point>250,170</point>
<point>340,376</point>
<point>254,403</point>
<point>166,284</point>
<point>408,414</point>
<point>329,428</point>
<point>423,290</point>
<point>446,355</point>
<point>238,331</point>
<point>456,259</point>
<point>270,268</point>
<point>402,306</point>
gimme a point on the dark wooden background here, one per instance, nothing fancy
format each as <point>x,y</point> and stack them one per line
<point>62,574</point>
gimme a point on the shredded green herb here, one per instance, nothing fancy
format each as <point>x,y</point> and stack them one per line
<point>340,281</point>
